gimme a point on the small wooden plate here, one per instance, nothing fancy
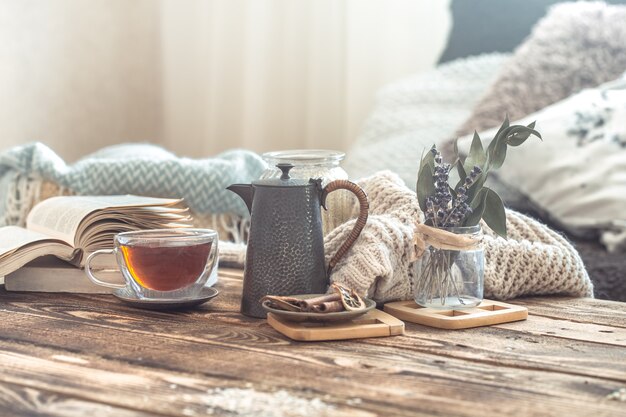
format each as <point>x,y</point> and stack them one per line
<point>375,323</point>
<point>486,314</point>
<point>319,317</point>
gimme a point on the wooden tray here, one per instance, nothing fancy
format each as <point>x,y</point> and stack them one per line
<point>487,313</point>
<point>375,323</point>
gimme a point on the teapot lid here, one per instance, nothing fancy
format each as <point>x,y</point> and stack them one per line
<point>285,180</point>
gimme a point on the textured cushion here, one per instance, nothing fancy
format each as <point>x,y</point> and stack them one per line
<point>576,46</point>
<point>498,35</point>
<point>416,112</point>
<point>577,175</point>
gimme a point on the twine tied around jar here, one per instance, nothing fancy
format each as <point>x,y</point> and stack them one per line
<point>425,236</point>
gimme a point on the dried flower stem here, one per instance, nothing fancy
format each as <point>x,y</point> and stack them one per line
<point>436,277</point>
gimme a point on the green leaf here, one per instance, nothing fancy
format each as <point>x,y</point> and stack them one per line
<point>452,192</point>
<point>496,151</point>
<point>477,186</point>
<point>498,154</point>
<point>462,174</point>
<point>494,214</point>
<point>519,135</point>
<point>504,126</point>
<point>425,186</point>
<point>478,208</point>
<point>453,175</point>
<point>476,155</point>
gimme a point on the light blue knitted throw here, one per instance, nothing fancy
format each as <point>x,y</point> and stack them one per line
<point>140,169</point>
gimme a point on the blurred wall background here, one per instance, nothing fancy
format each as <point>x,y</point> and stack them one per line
<point>200,76</point>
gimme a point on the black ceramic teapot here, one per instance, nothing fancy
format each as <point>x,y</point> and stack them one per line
<point>285,253</point>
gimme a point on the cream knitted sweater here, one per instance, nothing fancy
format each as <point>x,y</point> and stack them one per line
<point>534,260</point>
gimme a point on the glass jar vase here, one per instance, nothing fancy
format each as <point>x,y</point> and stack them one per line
<point>451,279</point>
<point>316,163</point>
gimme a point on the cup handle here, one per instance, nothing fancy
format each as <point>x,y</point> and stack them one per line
<point>213,255</point>
<point>92,277</point>
<point>360,222</point>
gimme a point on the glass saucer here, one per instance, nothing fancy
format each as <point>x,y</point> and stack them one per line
<point>128,297</point>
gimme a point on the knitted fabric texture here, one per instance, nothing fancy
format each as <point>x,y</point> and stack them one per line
<point>534,260</point>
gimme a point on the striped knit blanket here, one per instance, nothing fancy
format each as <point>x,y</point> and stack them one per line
<point>133,169</point>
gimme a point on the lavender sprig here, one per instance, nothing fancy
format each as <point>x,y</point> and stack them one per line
<point>443,209</point>
<point>461,209</point>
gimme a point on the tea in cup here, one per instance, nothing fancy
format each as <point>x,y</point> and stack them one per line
<point>162,264</point>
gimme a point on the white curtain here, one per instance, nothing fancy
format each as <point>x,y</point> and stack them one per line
<point>79,75</point>
<point>277,74</point>
<point>201,76</point>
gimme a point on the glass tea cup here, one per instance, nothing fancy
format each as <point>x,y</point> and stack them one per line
<point>162,263</point>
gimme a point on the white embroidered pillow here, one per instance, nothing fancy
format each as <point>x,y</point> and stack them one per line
<point>578,173</point>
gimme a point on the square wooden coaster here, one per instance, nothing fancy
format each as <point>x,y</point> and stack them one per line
<point>487,313</point>
<point>375,323</point>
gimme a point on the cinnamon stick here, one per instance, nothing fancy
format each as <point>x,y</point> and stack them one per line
<point>282,303</point>
<point>328,307</point>
<point>309,303</point>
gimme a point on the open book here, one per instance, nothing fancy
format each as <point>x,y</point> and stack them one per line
<point>71,227</point>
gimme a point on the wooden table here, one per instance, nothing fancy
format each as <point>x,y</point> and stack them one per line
<point>87,355</point>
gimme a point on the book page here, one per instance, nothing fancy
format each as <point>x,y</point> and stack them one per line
<point>13,238</point>
<point>18,246</point>
<point>60,217</point>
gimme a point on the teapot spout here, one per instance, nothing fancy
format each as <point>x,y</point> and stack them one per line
<point>245,191</point>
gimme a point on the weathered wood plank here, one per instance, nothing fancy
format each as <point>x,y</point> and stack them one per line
<point>426,372</point>
<point>310,365</point>
<point>507,347</point>
<point>16,400</point>
<point>97,380</point>
<point>582,310</point>
<point>359,385</point>
<point>565,329</point>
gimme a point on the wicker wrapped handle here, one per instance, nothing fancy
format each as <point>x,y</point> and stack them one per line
<point>360,222</point>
